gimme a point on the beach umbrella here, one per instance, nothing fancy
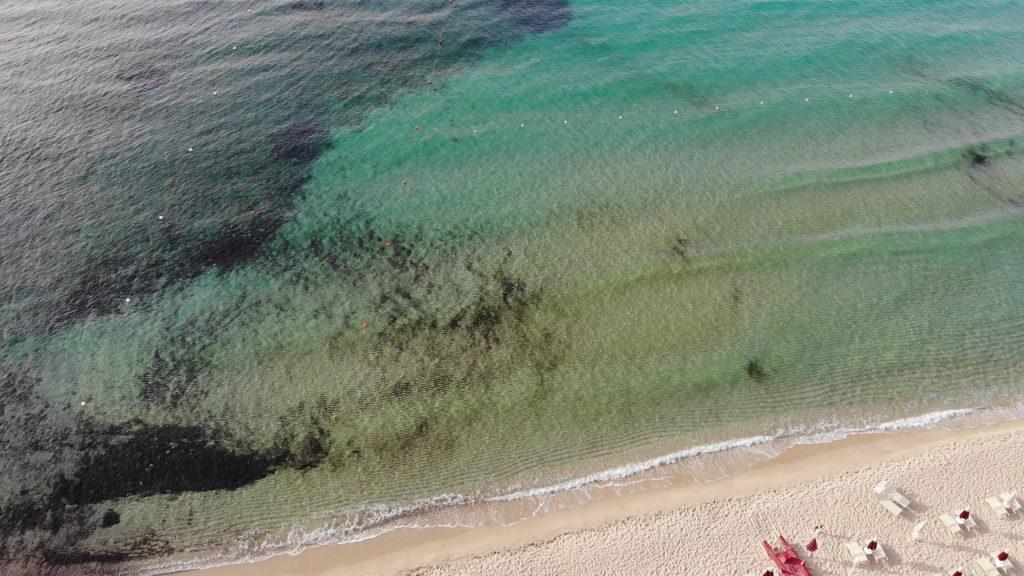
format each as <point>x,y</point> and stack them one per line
<point>872,545</point>
<point>916,532</point>
<point>1003,556</point>
<point>957,573</point>
<point>965,514</point>
<point>768,573</point>
<point>812,546</point>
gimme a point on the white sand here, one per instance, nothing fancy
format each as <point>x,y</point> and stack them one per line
<point>698,529</point>
<point>720,537</point>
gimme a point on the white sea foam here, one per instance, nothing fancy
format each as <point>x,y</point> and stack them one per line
<point>628,470</point>
<point>924,420</point>
<point>790,437</point>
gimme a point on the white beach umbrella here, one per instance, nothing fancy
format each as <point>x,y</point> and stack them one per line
<point>918,528</point>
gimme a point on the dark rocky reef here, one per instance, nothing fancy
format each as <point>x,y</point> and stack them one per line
<point>756,371</point>
<point>299,143</point>
<point>303,439</point>
<point>307,5</point>
<point>145,78</point>
<point>976,157</point>
<point>539,15</point>
<point>681,247</point>
<point>141,459</point>
<point>991,94</point>
<point>988,181</point>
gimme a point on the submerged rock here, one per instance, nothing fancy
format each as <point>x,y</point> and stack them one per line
<point>143,459</point>
<point>145,78</point>
<point>307,6</point>
<point>539,15</point>
<point>110,518</point>
<point>755,371</point>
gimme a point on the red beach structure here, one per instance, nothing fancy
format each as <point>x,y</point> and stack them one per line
<point>787,560</point>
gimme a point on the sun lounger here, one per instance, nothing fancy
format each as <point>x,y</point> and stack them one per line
<point>998,507</point>
<point>1003,566</point>
<point>987,567</point>
<point>951,524</point>
<point>970,524</point>
<point>886,493</point>
<point>899,499</point>
<point>967,524</point>
<point>891,507</point>
<point>1012,504</point>
<point>878,554</point>
<point>857,552</point>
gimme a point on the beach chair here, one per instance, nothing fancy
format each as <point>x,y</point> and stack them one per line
<point>890,498</point>
<point>1011,502</point>
<point>987,567</point>
<point>899,499</point>
<point>857,553</point>
<point>951,524</point>
<point>891,507</point>
<point>879,555</point>
<point>970,524</point>
<point>998,507</point>
<point>1003,566</point>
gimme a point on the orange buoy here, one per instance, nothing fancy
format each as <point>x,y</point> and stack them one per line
<point>387,244</point>
<point>366,324</point>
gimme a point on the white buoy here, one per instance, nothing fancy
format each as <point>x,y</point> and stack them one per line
<point>83,402</point>
<point>807,99</point>
<point>851,95</point>
<point>214,92</point>
<point>127,299</point>
<point>890,91</point>
<point>160,217</point>
<point>762,101</point>
<point>190,149</point>
<point>522,125</point>
<point>675,112</point>
<point>620,117</point>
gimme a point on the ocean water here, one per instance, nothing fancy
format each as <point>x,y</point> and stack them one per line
<point>276,274</point>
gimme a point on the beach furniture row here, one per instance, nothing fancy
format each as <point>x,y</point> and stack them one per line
<point>998,563</point>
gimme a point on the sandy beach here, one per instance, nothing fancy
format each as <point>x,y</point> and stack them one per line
<point>716,528</point>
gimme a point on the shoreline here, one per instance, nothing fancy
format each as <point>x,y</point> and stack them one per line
<point>405,549</point>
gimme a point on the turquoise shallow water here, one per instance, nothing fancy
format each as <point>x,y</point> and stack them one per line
<point>474,250</point>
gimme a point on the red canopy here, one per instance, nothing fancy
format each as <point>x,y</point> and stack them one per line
<point>965,514</point>
<point>812,546</point>
<point>1003,556</point>
<point>872,545</point>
